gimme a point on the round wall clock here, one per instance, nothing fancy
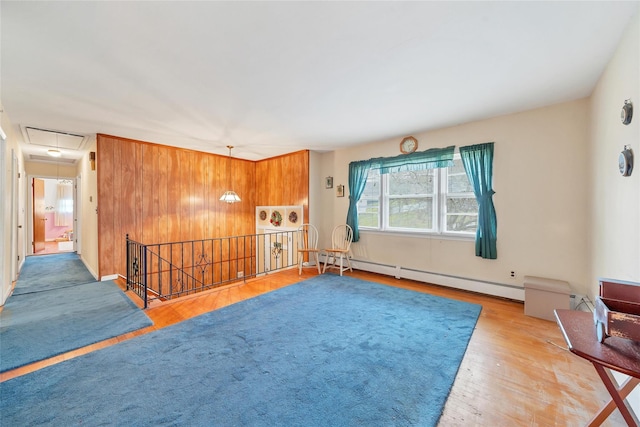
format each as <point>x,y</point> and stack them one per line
<point>408,145</point>
<point>625,162</point>
<point>627,112</point>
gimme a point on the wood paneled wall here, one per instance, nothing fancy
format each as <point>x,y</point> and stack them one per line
<point>160,194</point>
<point>284,181</point>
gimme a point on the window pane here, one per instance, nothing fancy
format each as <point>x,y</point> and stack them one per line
<point>457,168</point>
<point>457,180</point>
<point>459,184</point>
<point>372,189</point>
<point>369,203</point>
<point>462,214</point>
<point>462,223</point>
<point>411,182</point>
<point>462,205</point>
<point>368,213</point>
<point>411,213</point>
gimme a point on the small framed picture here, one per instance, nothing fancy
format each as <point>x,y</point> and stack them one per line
<point>340,191</point>
<point>328,182</point>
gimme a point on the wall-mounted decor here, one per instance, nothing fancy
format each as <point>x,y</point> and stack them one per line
<point>340,191</point>
<point>277,238</point>
<point>408,145</point>
<point>627,112</point>
<point>276,219</point>
<point>281,217</point>
<point>625,161</point>
<point>328,182</point>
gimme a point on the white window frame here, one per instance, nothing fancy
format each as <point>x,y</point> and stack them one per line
<point>439,219</point>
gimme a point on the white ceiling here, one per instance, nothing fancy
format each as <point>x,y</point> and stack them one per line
<point>275,77</point>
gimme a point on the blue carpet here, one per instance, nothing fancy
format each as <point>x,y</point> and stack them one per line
<point>38,326</point>
<point>329,351</point>
<point>57,306</point>
<point>46,272</point>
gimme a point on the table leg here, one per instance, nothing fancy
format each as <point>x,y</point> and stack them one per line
<point>618,398</point>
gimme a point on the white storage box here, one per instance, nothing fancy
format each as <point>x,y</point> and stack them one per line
<point>542,296</point>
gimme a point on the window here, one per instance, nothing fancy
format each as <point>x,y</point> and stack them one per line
<point>439,201</point>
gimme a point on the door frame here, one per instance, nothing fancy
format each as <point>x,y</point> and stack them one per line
<point>37,217</point>
<point>30,178</point>
<point>5,288</point>
<point>15,179</point>
<point>77,218</point>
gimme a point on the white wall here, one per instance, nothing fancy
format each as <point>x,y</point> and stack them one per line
<point>324,213</point>
<point>615,200</point>
<point>541,200</point>
<point>314,191</point>
<point>9,148</point>
<point>88,210</point>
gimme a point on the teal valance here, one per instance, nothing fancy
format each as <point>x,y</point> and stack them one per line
<point>420,160</point>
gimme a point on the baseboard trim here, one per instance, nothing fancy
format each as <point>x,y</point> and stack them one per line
<point>93,273</point>
<point>482,286</point>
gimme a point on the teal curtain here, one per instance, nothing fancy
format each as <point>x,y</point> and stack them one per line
<point>478,164</point>
<point>358,172</point>
<point>420,160</point>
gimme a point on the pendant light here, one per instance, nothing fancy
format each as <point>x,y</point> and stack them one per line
<point>229,196</point>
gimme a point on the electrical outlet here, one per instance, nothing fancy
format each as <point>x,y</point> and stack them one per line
<point>513,274</point>
<point>240,274</point>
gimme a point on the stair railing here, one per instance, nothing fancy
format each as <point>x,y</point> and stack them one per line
<point>163,271</point>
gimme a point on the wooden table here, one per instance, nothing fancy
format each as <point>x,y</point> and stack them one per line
<point>618,354</point>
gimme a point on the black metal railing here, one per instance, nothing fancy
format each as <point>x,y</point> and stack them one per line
<point>162,271</point>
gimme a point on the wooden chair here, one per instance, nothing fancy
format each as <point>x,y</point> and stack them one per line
<point>341,239</point>
<point>307,245</point>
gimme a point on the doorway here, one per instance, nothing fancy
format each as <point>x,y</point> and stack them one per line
<point>53,204</point>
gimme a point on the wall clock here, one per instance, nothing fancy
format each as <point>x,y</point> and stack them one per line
<point>408,145</point>
<point>625,161</point>
<point>627,112</point>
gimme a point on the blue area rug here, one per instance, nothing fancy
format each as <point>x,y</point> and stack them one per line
<point>51,317</point>
<point>329,351</point>
<point>46,272</point>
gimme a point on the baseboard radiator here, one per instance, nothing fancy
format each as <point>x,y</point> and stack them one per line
<point>481,286</point>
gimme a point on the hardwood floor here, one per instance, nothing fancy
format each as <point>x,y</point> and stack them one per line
<point>516,371</point>
<point>53,248</point>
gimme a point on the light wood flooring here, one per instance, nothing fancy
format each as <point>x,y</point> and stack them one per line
<point>516,371</point>
<point>52,248</point>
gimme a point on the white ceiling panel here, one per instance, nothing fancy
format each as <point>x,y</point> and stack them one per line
<point>275,77</point>
<point>50,138</point>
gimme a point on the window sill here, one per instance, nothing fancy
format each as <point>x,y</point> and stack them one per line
<point>420,235</point>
